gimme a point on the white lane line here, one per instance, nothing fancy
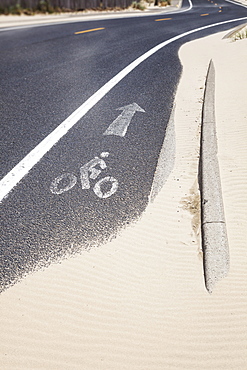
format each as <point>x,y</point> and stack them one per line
<point>179,10</point>
<point>31,159</point>
<point>190,7</point>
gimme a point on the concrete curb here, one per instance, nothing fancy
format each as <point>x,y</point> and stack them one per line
<point>214,235</point>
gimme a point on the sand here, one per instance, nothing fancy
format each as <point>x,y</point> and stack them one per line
<point>244,2</point>
<point>140,302</point>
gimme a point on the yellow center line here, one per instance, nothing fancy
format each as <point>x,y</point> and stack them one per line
<point>93,29</point>
<point>203,15</point>
<point>162,19</point>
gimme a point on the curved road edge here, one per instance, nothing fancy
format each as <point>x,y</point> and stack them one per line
<point>10,22</point>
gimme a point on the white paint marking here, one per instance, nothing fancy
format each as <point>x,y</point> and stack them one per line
<point>120,125</point>
<point>104,154</point>
<point>63,183</point>
<point>88,171</point>
<point>31,159</point>
<point>90,168</point>
<point>97,187</point>
<point>181,11</point>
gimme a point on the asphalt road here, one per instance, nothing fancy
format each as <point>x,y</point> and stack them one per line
<point>95,180</point>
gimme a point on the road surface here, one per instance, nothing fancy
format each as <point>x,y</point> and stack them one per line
<point>84,110</point>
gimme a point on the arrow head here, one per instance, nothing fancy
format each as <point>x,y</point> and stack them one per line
<point>132,107</point>
<point>120,125</point>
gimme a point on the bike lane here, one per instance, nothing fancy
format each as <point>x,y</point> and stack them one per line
<point>79,198</point>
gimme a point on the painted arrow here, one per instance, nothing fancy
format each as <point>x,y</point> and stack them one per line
<point>120,125</point>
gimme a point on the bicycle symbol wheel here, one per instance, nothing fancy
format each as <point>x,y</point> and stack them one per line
<point>98,187</point>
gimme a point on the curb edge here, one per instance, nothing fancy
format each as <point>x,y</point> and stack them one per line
<point>214,234</point>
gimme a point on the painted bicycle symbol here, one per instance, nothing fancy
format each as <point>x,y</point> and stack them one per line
<point>108,185</point>
<point>103,188</point>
